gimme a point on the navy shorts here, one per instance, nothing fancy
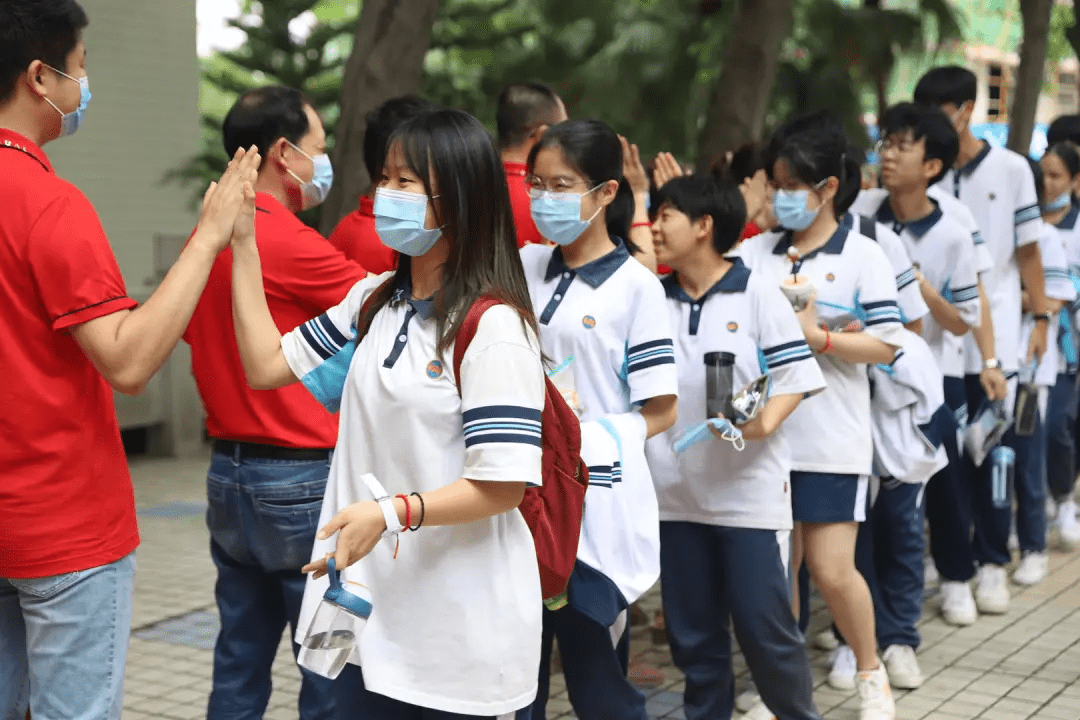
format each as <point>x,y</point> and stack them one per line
<point>828,497</point>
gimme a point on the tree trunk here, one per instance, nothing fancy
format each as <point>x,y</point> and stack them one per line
<point>392,38</point>
<point>1072,33</point>
<point>741,94</point>
<point>1029,76</point>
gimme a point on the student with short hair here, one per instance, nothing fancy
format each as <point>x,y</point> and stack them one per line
<point>854,321</point>
<point>726,514</point>
<point>355,234</point>
<point>455,629</point>
<point>997,186</point>
<point>602,318</point>
<point>271,449</point>
<point>1061,170</point>
<point>523,114</point>
<point>72,336</point>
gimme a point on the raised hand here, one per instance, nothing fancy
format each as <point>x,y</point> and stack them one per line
<point>244,227</point>
<point>633,170</point>
<point>666,168</point>
<point>224,200</point>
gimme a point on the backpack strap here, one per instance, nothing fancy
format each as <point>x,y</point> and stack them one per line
<point>467,332</point>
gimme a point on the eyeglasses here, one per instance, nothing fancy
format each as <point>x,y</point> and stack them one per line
<point>536,185</point>
<point>900,144</point>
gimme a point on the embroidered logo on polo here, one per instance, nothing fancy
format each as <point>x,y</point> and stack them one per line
<point>589,322</point>
<point>830,277</point>
<point>732,326</point>
<point>434,369</point>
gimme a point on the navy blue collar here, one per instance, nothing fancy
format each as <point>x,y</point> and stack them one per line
<point>919,227</point>
<point>1069,221</point>
<point>595,273</point>
<point>834,246</point>
<point>733,281</point>
<point>974,162</point>
<point>404,294</point>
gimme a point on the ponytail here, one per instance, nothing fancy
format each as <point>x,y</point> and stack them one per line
<point>850,183</point>
<point>620,213</point>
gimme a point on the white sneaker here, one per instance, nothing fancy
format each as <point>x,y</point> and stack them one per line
<point>1032,570</point>
<point>957,603</point>
<point>992,590</point>
<point>748,699</point>
<point>826,640</point>
<point>842,675</point>
<point>759,712</point>
<point>930,574</point>
<point>876,701</point>
<point>903,667</point>
<point>1068,527</point>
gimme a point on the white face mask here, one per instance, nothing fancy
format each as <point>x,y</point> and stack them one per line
<point>72,121</point>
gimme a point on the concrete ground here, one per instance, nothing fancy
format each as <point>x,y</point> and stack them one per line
<point>1025,664</point>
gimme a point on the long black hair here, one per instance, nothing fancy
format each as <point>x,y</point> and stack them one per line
<point>815,147</point>
<point>473,208</point>
<point>593,149</point>
<point>1069,155</point>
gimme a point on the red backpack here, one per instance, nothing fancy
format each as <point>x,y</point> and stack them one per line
<point>553,510</point>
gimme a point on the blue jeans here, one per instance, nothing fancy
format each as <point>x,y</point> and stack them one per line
<point>63,643</point>
<point>358,703</point>
<point>262,515</point>
<point>1061,439</point>
<point>1030,488</point>
<point>714,576</point>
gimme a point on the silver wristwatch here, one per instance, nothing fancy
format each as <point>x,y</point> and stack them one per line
<point>991,364</point>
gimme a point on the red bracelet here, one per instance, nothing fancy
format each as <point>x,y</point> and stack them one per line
<point>640,224</point>
<point>828,343</point>
<point>408,511</point>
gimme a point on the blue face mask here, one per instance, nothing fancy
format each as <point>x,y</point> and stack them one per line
<point>790,209</point>
<point>558,215</point>
<point>399,221</point>
<point>322,179</point>
<point>1061,202</point>
<point>72,121</point>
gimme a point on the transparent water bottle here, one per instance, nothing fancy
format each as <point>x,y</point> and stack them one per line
<point>1003,467</point>
<point>333,633</point>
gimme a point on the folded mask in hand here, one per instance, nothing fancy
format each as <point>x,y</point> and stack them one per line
<point>748,402</point>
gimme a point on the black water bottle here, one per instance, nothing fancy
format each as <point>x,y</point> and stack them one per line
<point>719,383</point>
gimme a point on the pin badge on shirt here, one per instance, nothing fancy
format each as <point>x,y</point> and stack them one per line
<point>830,277</point>
<point>732,326</point>
<point>434,369</point>
<point>589,322</point>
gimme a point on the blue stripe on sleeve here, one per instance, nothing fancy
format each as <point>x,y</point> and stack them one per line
<point>1027,214</point>
<point>314,340</point>
<point>501,424</point>
<point>905,278</point>
<point>650,354</point>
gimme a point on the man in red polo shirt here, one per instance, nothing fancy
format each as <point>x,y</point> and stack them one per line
<point>524,112</point>
<point>70,334</point>
<point>355,235</point>
<point>272,449</point>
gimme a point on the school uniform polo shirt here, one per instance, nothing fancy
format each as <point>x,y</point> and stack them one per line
<point>1069,231</point>
<point>303,276</point>
<point>999,189</point>
<point>710,482</point>
<point>908,296</point>
<point>942,249</point>
<point>457,615</point>
<point>1059,286</point>
<point>855,289</point>
<point>521,203</point>
<point>66,500</point>
<point>355,235</point>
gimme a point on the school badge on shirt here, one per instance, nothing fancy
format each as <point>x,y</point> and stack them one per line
<point>589,322</point>
<point>434,369</point>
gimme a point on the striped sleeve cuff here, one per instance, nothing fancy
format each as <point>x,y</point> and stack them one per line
<point>323,337</point>
<point>605,476</point>
<point>964,294</point>
<point>1027,214</point>
<point>650,354</point>
<point>501,424</point>
<point>977,238</point>
<point>787,353</point>
<point>905,278</point>
<point>884,311</point>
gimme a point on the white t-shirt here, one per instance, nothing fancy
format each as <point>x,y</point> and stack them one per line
<point>942,249</point>
<point>710,482</point>
<point>855,289</point>
<point>908,296</point>
<point>999,189</point>
<point>1069,230</point>
<point>1059,286</point>
<point>605,328</point>
<point>456,622</point>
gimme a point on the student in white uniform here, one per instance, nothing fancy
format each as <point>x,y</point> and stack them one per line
<point>918,146</point>
<point>997,186</point>
<point>1031,451</point>
<point>725,514</point>
<point>1061,171</point>
<point>604,326</point>
<point>455,630</point>
<point>854,321</point>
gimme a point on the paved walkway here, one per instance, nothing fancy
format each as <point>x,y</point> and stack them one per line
<point>1025,664</point>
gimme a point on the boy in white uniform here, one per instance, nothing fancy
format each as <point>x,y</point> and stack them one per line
<point>726,514</point>
<point>997,186</point>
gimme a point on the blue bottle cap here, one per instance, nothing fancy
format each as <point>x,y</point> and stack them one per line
<point>338,595</point>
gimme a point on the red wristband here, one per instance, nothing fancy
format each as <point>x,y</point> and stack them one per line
<point>640,224</point>
<point>408,511</point>
<point>828,343</point>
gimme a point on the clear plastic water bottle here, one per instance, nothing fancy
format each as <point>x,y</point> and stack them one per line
<point>1003,467</point>
<point>334,629</point>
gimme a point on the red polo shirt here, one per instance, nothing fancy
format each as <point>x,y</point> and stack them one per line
<point>519,199</point>
<point>303,276</point>
<point>66,500</point>
<point>356,237</point>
